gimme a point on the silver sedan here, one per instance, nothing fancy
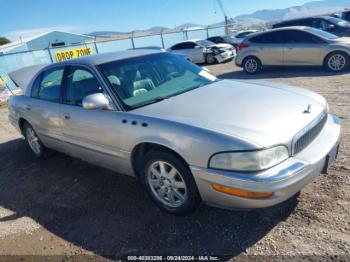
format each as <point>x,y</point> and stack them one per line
<point>294,46</point>
<point>188,136</point>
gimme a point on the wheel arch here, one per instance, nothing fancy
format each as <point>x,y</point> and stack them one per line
<point>143,148</point>
<point>251,56</point>
<point>21,122</point>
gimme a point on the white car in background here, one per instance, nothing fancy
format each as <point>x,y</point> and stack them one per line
<point>239,37</point>
<point>204,51</point>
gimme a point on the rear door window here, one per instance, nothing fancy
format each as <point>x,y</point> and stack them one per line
<point>276,37</point>
<point>301,37</point>
<point>48,85</point>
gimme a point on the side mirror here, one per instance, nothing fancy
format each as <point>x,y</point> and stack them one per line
<point>95,101</point>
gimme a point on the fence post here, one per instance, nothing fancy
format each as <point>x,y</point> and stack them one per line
<point>95,45</point>
<point>161,37</point>
<point>132,39</point>
<point>207,31</point>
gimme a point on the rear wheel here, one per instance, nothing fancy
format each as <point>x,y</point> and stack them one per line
<point>170,183</point>
<point>33,141</point>
<point>252,65</point>
<point>337,62</point>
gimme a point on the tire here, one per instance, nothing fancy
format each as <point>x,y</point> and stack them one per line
<point>35,146</point>
<point>252,65</point>
<point>170,183</point>
<point>337,61</point>
<point>210,59</point>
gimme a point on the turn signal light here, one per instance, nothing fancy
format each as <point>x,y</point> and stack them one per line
<point>242,193</point>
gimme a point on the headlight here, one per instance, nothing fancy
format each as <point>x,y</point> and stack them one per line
<point>249,160</point>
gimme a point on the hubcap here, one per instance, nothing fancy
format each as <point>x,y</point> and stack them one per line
<point>251,65</point>
<point>337,62</point>
<point>33,141</point>
<point>167,184</point>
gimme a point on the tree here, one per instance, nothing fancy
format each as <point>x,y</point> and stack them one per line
<point>4,41</point>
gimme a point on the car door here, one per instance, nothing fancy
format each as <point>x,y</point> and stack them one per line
<point>91,135</point>
<point>303,48</point>
<point>269,47</point>
<point>43,108</point>
<point>191,50</point>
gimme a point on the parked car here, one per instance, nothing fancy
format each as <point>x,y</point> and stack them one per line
<point>294,46</point>
<point>329,24</point>
<point>345,15</point>
<point>168,122</point>
<point>238,38</point>
<point>232,40</point>
<point>222,39</point>
<point>204,51</point>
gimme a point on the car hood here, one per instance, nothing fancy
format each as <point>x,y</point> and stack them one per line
<point>222,46</point>
<point>261,113</point>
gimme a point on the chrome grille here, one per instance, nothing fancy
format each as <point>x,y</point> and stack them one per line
<point>305,139</point>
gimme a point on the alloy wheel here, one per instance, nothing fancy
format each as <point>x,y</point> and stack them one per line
<point>33,141</point>
<point>167,184</point>
<point>251,65</point>
<point>337,62</point>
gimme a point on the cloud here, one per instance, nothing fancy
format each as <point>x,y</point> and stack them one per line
<point>25,33</point>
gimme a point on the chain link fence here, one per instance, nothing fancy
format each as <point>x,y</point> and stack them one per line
<point>12,61</point>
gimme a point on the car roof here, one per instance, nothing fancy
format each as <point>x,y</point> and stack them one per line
<point>303,18</point>
<point>302,28</point>
<point>108,57</point>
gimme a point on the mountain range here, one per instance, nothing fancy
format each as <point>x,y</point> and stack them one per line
<point>310,8</point>
<point>260,16</point>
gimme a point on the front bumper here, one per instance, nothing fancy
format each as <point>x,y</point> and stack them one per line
<point>285,179</point>
<point>225,56</point>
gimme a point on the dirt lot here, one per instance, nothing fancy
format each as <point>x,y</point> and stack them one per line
<point>67,208</point>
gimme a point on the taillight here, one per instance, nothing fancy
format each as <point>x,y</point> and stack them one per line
<point>241,46</point>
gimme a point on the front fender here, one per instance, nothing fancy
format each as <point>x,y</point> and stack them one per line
<point>195,145</point>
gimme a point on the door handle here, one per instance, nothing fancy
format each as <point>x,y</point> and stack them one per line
<point>66,116</point>
<point>28,107</point>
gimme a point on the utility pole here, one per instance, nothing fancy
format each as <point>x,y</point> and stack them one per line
<point>225,15</point>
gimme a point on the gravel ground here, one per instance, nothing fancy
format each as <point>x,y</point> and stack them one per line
<point>61,208</point>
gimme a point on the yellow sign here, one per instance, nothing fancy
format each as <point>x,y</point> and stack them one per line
<point>3,80</point>
<point>64,55</point>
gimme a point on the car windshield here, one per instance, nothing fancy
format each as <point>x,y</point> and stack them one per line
<point>151,78</point>
<point>322,33</point>
<point>205,43</point>
<point>339,22</point>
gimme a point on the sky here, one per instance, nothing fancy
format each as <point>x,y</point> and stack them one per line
<point>30,17</point>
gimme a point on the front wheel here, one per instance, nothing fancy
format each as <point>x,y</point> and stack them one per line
<point>252,65</point>
<point>170,183</point>
<point>210,59</point>
<point>33,141</point>
<point>337,62</point>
